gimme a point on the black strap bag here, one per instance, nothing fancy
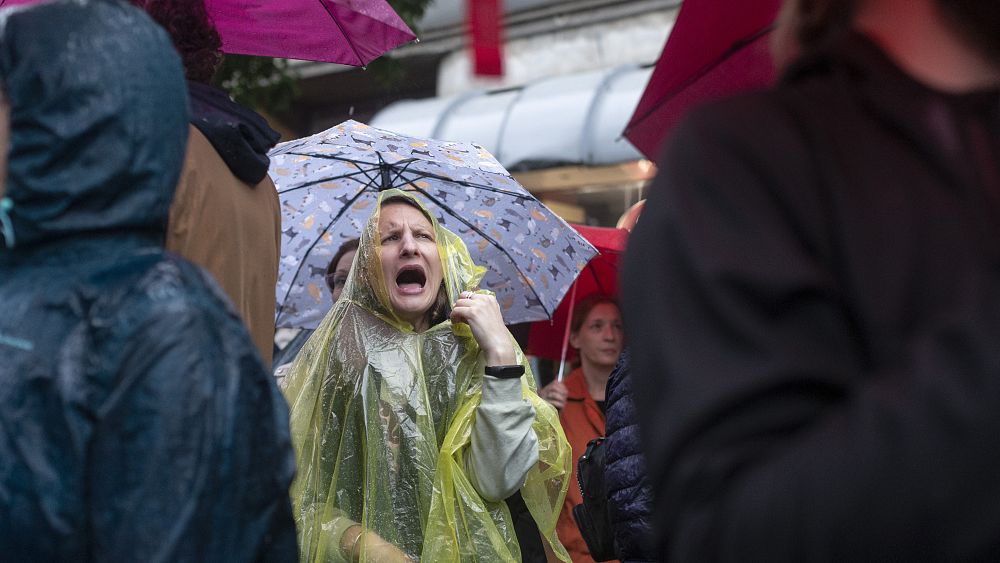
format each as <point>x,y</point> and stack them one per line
<point>592,516</point>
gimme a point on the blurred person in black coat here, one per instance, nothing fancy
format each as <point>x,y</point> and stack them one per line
<point>813,298</point>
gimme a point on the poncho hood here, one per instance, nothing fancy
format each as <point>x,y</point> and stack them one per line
<point>89,153</point>
<point>460,272</point>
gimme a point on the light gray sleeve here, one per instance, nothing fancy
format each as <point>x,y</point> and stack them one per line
<point>504,445</point>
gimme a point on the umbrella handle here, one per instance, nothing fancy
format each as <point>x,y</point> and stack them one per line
<point>565,344</point>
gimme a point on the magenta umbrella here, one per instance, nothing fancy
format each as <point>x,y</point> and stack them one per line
<point>716,48</point>
<point>349,32</point>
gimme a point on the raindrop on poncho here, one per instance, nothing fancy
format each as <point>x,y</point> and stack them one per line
<point>382,417</point>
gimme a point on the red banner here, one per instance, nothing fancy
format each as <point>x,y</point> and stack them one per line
<point>486,36</point>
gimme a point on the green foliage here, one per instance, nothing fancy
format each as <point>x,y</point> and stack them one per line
<point>387,71</point>
<point>410,10</point>
<point>270,84</point>
<point>258,82</point>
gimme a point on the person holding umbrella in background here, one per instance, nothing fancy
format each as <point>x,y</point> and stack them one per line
<point>596,333</point>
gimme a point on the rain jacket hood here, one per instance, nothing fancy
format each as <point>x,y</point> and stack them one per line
<point>137,422</point>
<point>381,420</point>
<point>88,151</point>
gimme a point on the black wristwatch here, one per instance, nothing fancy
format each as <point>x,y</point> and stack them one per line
<point>505,372</point>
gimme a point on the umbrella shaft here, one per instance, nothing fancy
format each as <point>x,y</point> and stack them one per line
<point>565,344</point>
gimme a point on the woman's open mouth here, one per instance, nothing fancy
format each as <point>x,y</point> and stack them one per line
<point>411,280</point>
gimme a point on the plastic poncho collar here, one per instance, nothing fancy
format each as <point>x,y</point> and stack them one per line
<point>89,152</point>
<point>382,418</point>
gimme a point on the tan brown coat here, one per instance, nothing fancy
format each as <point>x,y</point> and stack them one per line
<point>233,230</point>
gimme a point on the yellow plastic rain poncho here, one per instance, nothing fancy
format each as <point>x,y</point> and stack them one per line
<point>382,417</point>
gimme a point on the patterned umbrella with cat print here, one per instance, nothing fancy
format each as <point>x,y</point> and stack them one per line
<point>328,184</point>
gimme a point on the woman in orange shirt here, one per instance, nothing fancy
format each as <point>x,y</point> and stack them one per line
<point>596,333</point>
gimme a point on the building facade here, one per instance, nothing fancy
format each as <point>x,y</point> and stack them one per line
<point>574,71</point>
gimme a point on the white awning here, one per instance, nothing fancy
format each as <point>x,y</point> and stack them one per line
<point>573,119</point>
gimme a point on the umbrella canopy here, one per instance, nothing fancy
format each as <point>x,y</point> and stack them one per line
<point>548,339</point>
<point>716,48</point>
<point>328,184</point>
<point>350,32</point>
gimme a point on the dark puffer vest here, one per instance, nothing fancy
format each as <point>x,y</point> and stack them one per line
<point>629,495</point>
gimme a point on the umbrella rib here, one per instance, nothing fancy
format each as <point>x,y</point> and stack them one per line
<point>399,173</point>
<point>423,174</point>
<point>350,176</point>
<point>335,157</point>
<point>326,229</point>
<point>372,167</point>
<point>489,239</point>
<point>367,172</point>
<point>597,280</point>
<point>343,32</point>
<point>468,184</point>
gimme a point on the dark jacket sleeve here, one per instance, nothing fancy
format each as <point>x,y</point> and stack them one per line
<point>630,498</point>
<point>191,458</point>
<point>769,436</point>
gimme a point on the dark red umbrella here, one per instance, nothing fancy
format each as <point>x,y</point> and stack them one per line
<point>716,48</point>
<point>550,339</point>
